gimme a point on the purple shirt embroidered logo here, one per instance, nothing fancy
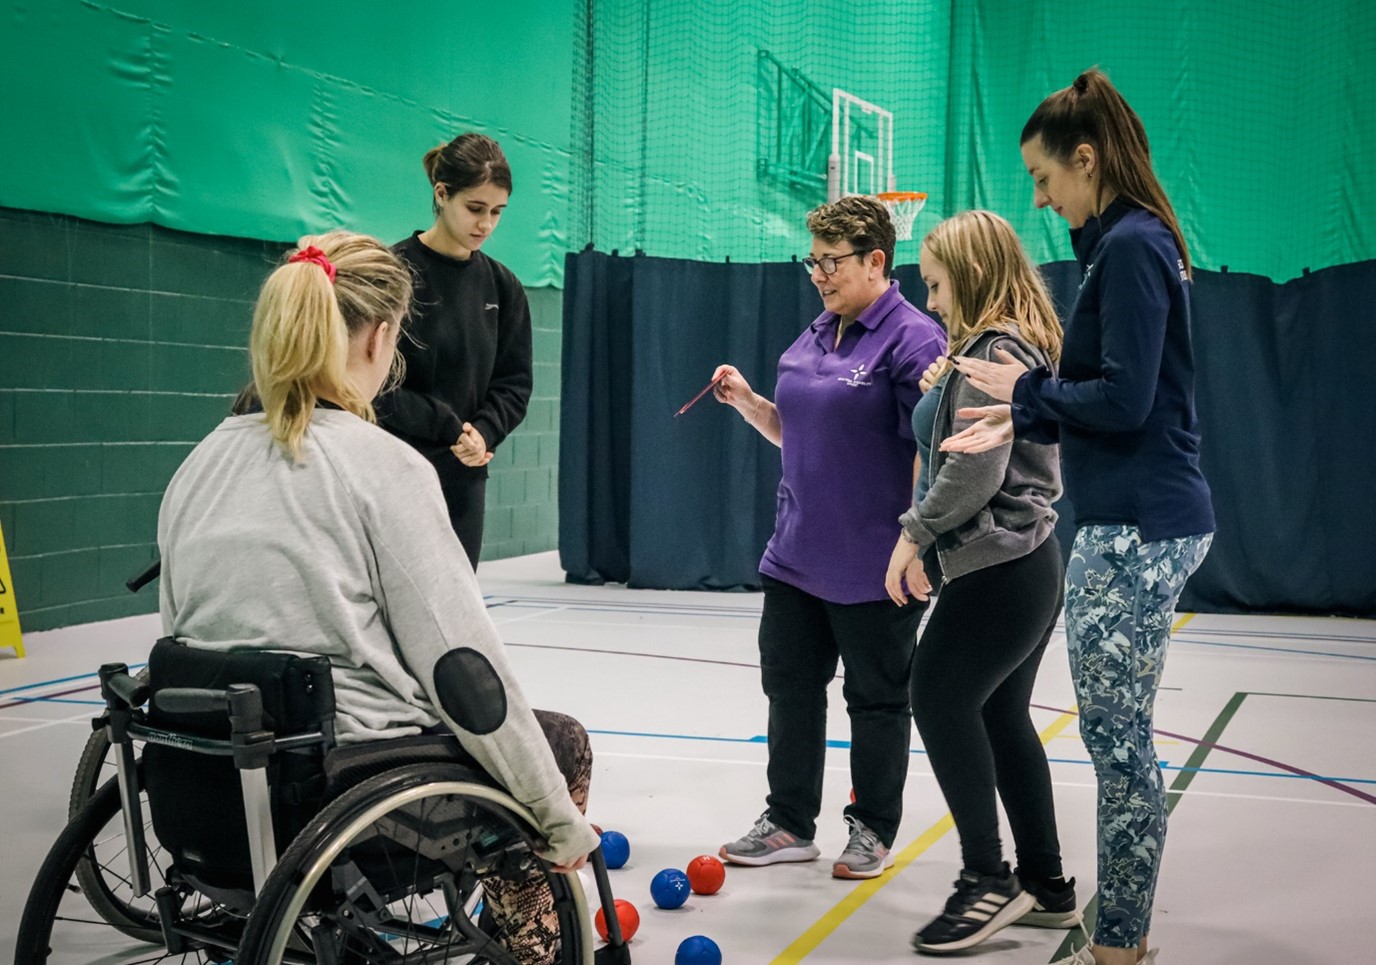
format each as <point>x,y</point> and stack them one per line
<point>859,377</point>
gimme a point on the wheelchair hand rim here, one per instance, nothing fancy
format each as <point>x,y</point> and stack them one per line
<point>317,868</point>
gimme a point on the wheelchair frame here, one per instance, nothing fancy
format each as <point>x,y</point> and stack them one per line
<point>250,745</point>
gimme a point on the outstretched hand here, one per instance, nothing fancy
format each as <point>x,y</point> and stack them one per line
<point>994,429</point>
<point>992,378</point>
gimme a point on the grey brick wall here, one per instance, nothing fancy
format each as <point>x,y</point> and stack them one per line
<point>120,348</point>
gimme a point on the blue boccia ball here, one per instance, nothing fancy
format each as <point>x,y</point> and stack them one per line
<point>697,950</point>
<point>615,849</point>
<point>669,888</point>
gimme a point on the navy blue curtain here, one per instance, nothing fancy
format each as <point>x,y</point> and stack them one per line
<point>1285,388</point>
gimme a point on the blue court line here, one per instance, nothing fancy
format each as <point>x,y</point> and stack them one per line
<point>843,745</point>
<point>46,683</point>
<point>681,737</point>
<point>60,680</point>
<point>57,700</point>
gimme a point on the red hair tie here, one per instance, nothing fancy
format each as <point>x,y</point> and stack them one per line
<point>314,254</point>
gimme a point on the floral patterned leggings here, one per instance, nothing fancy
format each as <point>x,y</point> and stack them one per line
<point>523,908</point>
<point>1119,602</point>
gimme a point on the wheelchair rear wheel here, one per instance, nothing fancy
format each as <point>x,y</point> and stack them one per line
<point>391,869</point>
<point>87,870</point>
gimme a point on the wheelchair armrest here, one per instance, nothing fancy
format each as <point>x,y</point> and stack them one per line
<point>115,680</point>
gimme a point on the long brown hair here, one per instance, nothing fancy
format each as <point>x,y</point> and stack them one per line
<point>993,284</point>
<point>299,344</point>
<point>1091,111</point>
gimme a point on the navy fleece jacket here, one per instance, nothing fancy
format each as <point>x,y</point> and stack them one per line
<point>1122,405</point>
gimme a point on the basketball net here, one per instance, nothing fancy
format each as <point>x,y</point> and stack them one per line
<point>903,208</point>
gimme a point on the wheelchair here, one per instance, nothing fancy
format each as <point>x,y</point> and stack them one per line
<point>389,841</point>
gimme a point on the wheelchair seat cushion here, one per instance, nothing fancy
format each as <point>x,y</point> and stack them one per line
<point>353,764</point>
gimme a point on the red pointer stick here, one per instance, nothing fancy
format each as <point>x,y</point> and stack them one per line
<point>689,404</point>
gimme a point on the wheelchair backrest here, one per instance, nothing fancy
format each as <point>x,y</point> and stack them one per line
<point>195,800</point>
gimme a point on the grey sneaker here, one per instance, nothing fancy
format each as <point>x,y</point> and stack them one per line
<point>865,856</point>
<point>767,843</point>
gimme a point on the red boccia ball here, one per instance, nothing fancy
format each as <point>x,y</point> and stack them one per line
<point>626,914</point>
<point>705,875</point>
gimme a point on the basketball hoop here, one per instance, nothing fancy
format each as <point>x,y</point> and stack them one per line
<point>903,208</point>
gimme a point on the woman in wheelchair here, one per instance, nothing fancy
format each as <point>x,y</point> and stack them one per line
<point>305,527</point>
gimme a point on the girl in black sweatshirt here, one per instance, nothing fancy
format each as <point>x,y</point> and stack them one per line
<point>468,358</point>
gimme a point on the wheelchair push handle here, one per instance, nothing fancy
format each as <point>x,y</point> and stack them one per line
<point>117,684</point>
<point>143,579</point>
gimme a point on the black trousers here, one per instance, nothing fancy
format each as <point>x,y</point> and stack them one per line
<point>465,494</point>
<point>971,690</point>
<point>801,639</point>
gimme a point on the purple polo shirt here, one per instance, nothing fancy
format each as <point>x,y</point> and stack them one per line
<point>848,448</point>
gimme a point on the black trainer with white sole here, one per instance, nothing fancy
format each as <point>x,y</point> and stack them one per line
<point>1054,904</point>
<point>981,906</point>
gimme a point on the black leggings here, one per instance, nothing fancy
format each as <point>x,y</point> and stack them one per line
<point>465,495</point>
<point>971,689</point>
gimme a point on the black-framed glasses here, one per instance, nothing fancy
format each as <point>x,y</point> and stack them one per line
<point>829,263</point>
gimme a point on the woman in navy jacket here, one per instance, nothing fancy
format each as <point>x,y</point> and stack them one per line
<point>1122,409</point>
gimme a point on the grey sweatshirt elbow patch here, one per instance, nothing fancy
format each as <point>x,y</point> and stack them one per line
<point>470,691</point>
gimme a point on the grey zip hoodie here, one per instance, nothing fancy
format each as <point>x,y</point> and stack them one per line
<point>985,508</point>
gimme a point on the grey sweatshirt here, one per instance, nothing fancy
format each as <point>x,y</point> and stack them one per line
<point>985,508</point>
<point>349,554</point>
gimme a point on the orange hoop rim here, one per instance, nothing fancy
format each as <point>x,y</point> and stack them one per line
<point>902,195</point>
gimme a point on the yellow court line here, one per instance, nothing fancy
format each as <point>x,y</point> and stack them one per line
<point>808,941</point>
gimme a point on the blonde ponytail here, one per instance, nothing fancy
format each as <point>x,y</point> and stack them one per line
<point>303,323</point>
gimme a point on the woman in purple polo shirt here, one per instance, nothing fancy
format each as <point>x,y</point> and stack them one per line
<point>842,418</point>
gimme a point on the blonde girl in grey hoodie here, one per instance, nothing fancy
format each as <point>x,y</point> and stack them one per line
<point>989,517</point>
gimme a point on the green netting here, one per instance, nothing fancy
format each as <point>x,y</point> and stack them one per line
<point>266,119</point>
<point>684,128</point>
<point>1259,116</point>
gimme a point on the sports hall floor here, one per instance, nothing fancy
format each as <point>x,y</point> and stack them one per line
<point>1266,730</point>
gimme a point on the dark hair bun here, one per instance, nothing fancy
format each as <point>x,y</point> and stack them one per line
<point>431,162</point>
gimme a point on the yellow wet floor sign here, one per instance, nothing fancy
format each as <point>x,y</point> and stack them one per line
<point>9,610</point>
